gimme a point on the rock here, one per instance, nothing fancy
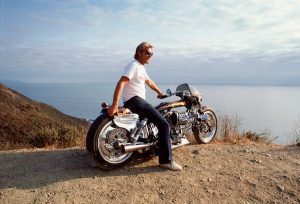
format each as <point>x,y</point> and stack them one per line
<point>161,192</point>
<point>195,151</point>
<point>268,155</point>
<point>292,193</point>
<point>256,161</point>
<point>210,191</point>
<point>253,184</point>
<point>280,188</point>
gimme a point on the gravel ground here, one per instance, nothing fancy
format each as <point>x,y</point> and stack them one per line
<point>214,173</point>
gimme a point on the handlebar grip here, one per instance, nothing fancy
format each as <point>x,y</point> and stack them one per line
<point>162,96</point>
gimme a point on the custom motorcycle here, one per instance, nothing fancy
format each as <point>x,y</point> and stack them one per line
<point>114,141</point>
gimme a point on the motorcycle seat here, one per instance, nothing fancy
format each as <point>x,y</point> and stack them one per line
<point>123,111</point>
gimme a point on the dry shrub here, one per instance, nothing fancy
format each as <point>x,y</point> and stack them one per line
<point>229,127</point>
<point>59,136</point>
<point>295,132</point>
<point>229,132</point>
<point>262,137</point>
<point>42,137</point>
<point>70,136</point>
<point>40,133</point>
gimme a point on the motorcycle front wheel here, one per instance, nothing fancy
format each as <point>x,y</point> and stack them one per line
<point>206,130</point>
<point>102,138</point>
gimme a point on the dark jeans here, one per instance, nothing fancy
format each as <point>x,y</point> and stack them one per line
<point>145,110</point>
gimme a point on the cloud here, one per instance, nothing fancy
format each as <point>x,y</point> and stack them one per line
<point>189,25</point>
<point>100,36</point>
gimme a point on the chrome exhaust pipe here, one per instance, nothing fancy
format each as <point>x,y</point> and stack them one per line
<point>131,148</point>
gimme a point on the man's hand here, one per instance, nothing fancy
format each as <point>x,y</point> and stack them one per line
<point>112,110</point>
<point>162,96</point>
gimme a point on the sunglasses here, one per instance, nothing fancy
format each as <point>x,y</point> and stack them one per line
<point>149,54</point>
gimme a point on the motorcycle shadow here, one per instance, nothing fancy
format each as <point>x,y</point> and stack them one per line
<point>29,169</point>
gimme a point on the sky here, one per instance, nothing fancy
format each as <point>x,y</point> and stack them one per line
<point>195,41</point>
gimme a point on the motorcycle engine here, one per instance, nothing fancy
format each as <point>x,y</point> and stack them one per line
<point>180,118</point>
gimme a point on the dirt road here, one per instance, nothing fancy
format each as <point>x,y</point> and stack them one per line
<point>215,173</point>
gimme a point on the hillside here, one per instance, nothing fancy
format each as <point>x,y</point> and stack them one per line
<point>25,123</point>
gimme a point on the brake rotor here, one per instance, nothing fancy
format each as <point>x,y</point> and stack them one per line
<point>117,134</point>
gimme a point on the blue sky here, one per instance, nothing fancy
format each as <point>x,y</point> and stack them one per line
<point>196,41</point>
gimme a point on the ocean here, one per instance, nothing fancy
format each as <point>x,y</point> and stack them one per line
<point>258,108</point>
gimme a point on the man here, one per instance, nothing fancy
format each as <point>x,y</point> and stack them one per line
<point>132,84</point>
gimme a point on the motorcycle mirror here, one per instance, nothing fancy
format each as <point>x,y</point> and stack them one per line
<point>169,92</point>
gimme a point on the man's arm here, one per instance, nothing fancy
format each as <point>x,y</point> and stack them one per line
<point>117,94</point>
<point>154,87</point>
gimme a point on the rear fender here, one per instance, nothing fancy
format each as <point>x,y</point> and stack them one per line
<point>127,121</point>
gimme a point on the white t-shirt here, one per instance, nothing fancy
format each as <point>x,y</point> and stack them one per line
<point>137,75</point>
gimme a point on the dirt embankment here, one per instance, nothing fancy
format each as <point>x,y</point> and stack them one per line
<point>212,174</point>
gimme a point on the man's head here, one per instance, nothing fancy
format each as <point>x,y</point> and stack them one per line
<point>143,53</point>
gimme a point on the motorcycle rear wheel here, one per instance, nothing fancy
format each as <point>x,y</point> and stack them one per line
<point>100,144</point>
<point>206,131</point>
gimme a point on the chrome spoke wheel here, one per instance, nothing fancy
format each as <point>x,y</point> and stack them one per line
<point>207,129</point>
<point>108,140</point>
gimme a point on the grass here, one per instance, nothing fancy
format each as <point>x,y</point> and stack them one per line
<point>295,132</point>
<point>229,131</point>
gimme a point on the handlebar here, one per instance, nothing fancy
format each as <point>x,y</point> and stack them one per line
<point>185,93</point>
<point>169,94</point>
<point>162,97</point>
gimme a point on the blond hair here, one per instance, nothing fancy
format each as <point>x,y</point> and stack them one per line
<point>141,47</point>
